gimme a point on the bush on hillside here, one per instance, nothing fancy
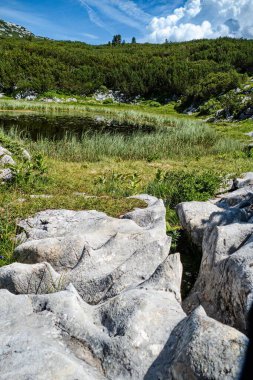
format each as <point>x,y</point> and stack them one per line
<point>182,186</point>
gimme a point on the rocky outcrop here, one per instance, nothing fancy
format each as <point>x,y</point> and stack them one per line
<point>194,217</point>
<point>122,319</point>
<point>140,334</point>
<point>225,283</point>
<point>118,339</point>
<point>188,353</point>
<point>33,346</point>
<point>101,256</point>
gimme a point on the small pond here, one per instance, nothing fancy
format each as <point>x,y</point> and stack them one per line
<point>55,126</point>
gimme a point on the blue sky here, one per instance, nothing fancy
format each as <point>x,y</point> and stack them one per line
<point>96,21</point>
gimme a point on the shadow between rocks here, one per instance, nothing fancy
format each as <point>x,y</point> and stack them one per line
<point>160,369</point>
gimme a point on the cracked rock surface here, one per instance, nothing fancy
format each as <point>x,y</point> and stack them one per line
<point>97,297</point>
<point>224,229</point>
<point>100,255</point>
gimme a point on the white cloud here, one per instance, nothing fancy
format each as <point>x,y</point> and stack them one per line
<point>92,36</point>
<point>204,19</point>
<point>21,16</point>
<point>121,11</point>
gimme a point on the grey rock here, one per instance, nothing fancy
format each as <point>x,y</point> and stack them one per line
<point>26,155</point>
<point>194,217</point>
<point>220,113</point>
<point>190,110</point>
<point>33,346</point>
<point>247,113</point>
<point>6,175</point>
<point>245,181</point>
<point>152,217</point>
<point>4,151</point>
<point>123,318</point>
<point>236,198</point>
<point>224,286</point>
<point>225,283</point>
<point>211,119</point>
<point>118,339</point>
<point>7,160</point>
<point>100,255</point>
<point>238,90</point>
<point>200,348</point>
<point>25,278</point>
<point>250,134</point>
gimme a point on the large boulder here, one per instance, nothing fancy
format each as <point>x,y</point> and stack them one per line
<point>99,254</point>
<point>142,333</point>
<point>225,283</point>
<point>33,346</point>
<point>224,286</point>
<point>200,348</point>
<point>118,339</point>
<point>194,217</point>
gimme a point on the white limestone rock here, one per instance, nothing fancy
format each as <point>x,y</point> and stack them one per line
<point>25,278</point>
<point>100,255</point>
<point>200,348</point>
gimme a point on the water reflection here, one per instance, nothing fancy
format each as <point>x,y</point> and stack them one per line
<point>55,126</point>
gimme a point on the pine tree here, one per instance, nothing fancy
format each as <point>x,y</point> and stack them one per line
<point>117,39</point>
<point>133,40</point>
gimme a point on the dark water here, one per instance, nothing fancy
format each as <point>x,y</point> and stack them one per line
<point>56,126</point>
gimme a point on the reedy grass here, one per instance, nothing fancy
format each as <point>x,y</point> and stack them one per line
<point>187,139</point>
<point>134,115</point>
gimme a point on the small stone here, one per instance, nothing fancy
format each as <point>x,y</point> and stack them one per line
<point>7,160</point>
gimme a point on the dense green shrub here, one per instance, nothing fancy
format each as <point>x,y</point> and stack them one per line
<point>210,107</point>
<point>181,186</point>
<point>151,103</point>
<point>108,101</point>
<point>197,70</point>
<point>234,104</point>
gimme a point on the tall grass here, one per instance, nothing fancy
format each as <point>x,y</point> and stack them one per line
<point>122,113</point>
<point>191,141</point>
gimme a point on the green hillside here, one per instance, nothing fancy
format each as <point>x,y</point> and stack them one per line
<point>196,70</point>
